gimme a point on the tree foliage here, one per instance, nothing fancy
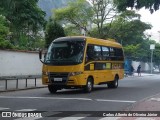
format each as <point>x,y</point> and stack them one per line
<point>53,31</point>
<point>25,17</point>
<point>127,28</point>
<point>4,32</point>
<point>71,30</point>
<point>78,13</point>
<point>104,11</point>
<point>83,14</point>
<point>152,5</point>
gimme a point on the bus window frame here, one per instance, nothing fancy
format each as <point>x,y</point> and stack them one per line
<point>114,57</point>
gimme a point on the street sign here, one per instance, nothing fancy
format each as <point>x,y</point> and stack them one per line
<point>152,46</point>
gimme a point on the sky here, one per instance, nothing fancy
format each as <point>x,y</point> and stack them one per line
<point>154,20</point>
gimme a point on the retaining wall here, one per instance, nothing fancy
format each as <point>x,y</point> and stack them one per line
<point>13,63</point>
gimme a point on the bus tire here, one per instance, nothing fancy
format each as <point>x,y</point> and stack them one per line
<point>52,89</point>
<point>113,84</point>
<point>89,85</point>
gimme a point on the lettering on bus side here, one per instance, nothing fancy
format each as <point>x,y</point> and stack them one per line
<point>98,66</point>
<point>117,65</point>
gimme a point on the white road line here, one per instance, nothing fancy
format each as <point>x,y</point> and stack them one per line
<point>73,117</point>
<point>144,118</point>
<point>58,98</point>
<point>19,97</point>
<point>110,118</point>
<point>29,118</point>
<point>26,110</point>
<point>155,99</point>
<point>115,100</point>
<point>1,108</point>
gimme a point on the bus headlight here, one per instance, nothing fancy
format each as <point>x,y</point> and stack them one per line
<point>75,73</point>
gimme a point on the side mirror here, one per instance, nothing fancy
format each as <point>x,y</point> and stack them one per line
<point>40,54</point>
<point>45,55</point>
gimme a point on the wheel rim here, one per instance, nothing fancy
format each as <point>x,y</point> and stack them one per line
<point>89,85</point>
<point>116,82</point>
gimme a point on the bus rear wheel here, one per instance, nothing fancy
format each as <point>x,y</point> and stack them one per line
<point>52,89</point>
<point>113,84</point>
<point>89,86</point>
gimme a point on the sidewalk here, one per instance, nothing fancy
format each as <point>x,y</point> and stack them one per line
<point>148,104</point>
<point>142,74</point>
<point>151,103</point>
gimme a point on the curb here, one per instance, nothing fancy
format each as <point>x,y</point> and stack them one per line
<point>138,103</point>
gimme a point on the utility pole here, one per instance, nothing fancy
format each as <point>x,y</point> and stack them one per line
<point>152,47</point>
<point>159,36</point>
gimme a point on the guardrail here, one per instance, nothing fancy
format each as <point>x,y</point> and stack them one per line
<point>20,81</point>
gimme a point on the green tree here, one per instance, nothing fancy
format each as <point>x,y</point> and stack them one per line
<point>127,28</point>
<point>78,13</point>
<point>25,17</point>
<point>152,5</point>
<point>131,51</point>
<point>104,11</point>
<point>53,31</point>
<point>156,56</point>
<point>4,34</point>
<point>71,30</point>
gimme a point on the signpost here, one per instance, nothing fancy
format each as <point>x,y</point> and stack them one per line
<point>152,47</point>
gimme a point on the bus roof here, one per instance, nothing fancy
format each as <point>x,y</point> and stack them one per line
<point>90,40</point>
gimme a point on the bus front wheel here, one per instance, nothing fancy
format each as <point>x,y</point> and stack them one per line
<point>52,89</point>
<point>113,84</point>
<point>89,85</point>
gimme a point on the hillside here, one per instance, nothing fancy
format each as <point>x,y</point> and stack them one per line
<point>49,5</point>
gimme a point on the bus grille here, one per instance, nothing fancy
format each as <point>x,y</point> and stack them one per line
<point>58,78</point>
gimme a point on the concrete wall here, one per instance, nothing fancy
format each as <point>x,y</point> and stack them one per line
<point>19,63</point>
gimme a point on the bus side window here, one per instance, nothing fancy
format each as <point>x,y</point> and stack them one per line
<point>97,51</point>
<point>90,53</point>
<point>119,54</point>
<point>105,53</point>
<point>112,53</point>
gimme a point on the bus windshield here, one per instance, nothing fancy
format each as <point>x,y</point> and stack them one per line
<point>65,53</point>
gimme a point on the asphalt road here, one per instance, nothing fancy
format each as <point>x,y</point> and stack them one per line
<point>130,91</point>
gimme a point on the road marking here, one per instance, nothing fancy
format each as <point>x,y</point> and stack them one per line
<point>58,98</point>
<point>73,117</point>
<point>110,118</point>
<point>26,110</point>
<point>115,100</point>
<point>1,108</point>
<point>19,97</point>
<point>144,118</point>
<point>27,118</point>
<point>155,99</point>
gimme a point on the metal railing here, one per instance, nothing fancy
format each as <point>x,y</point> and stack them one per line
<point>17,79</point>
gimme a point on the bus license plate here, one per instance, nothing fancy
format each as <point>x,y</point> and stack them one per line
<point>58,79</point>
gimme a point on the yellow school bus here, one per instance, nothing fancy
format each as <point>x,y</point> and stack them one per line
<point>82,62</point>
